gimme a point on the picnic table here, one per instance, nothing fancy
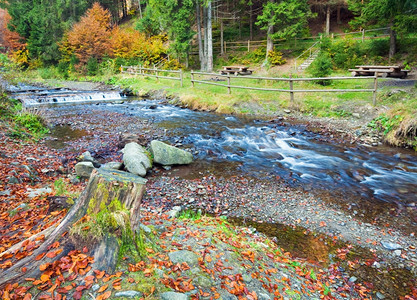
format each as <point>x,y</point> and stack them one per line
<point>383,71</point>
<point>236,70</point>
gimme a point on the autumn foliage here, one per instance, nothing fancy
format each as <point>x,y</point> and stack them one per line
<point>90,38</point>
<point>9,40</point>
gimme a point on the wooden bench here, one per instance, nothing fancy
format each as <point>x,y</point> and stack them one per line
<point>236,70</point>
<point>383,71</point>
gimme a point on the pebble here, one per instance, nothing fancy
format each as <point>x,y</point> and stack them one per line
<point>397,252</point>
<point>380,296</point>
<point>128,294</point>
<point>391,246</point>
<point>353,279</point>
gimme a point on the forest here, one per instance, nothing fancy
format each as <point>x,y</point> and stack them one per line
<point>80,35</point>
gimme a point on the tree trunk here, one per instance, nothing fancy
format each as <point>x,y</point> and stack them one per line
<point>328,20</point>
<point>140,9</point>
<point>251,22</point>
<point>199,36</point>
<point>339,21</point>
<point>103,187</point>
<point>209,39</point>
<point>221,38</point>
<point>392,43</point>
<point>205,38</point>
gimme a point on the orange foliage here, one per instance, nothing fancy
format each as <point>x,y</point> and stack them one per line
<point>91,36</point>
<point>10,40</point>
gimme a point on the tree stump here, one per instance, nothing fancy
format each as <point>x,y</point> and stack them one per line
<point>115,192</point>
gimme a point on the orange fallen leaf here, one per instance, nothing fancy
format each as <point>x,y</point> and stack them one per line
<point>103,288</point>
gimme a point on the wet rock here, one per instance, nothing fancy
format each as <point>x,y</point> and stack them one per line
<point>167,155</point>
<point>128,92</point>
<point>391,246</point>
<point>181,256</point>
<point>114,165</point>
<point>128,294</point>
<point>84,169</point>
<point>136,159</point>
<point>174,296</point>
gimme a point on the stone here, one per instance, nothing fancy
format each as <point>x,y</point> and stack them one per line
<point>13,180</point>
<point>21,207</point>
<point>181,256</point>
<point>86,156</point>
<point>391,246</point>
<point>397,252</point>
<point>173,296</point>
<point>203,281</point>
<point>128,294</point>
<point>356,115</point>
<point>136,159</point>
<point>145,229</point>
<point>380,296</point>
<point>246,278</point>
<point>5,193</point>
<point>84,169</point>
<point>353,279</point>
<point>95,287</point>
<point>263,296</point>
<point>32,193</point>
<point>167,155</point>
<point>287,111</point>
<point>174,212</point>
<point>114,165</point>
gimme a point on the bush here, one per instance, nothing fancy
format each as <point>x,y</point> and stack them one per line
<point>275,58</point>
<point>32,122</point>
<point>347,53</point>
<point>92,66</point>
<point>322,67</point>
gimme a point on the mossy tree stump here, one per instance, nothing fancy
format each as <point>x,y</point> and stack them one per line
<point>105,211</point>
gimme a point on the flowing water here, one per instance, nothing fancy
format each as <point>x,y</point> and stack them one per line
<point>262,148</point>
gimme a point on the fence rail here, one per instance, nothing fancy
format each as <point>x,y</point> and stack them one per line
<point>153,72</point>
<point>291,90</point>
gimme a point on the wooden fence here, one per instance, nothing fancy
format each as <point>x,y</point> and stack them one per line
<point>153,72</point>
<point>290,82</point>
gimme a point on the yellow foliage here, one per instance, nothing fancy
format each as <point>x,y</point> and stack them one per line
<point>21,57</point>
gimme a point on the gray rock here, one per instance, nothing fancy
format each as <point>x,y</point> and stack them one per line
<point>397,252</point>
<point>86,156</point>
<point>32,193</point>
<point>95,287</point>
<point>128,294</point>
<point>353,279</point>
<point>167,155</point>
<point>391,246</point>
<point>181,256</point>
<point>173,296</point>
<point>5,193</point>
<point>145,229</point>
<point>246,278</point>
<point>114,165</point>
<point>21,207</point>
<point>224,295</point>
<point>174,212</point>
<point>263,296</point>
<point>356,115</point>
<point>203,281</point>
<point>13,180</point>
<point>135,159</point>
<point>84,169</point>
<point>380,296</point>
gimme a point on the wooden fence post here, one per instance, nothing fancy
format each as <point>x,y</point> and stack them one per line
<point>229,90</point>
<point>192,78</point>
<point>248,45</point>
<point>291,90</point>
<point>181,78</point>
<point>375,88</point>
<point>363,35</point>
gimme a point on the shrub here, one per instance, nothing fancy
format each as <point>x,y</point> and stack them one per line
<point>321,67</point>
<point>92,66</point>
<point>275,58</point>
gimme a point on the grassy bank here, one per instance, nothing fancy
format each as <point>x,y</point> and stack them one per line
<point>18,122</point>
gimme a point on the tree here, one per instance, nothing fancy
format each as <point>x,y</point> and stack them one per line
<point>9,40</point>
<point>399,15</point>
<point>328,6</point>
<point>284,19</point>
<point>90,38</point>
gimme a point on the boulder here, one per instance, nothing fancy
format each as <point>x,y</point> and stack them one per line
<point>167,155</point>
<point>181,256</point>
<point>174,296</point>
<point>136,159</point>
<point>84,169</point>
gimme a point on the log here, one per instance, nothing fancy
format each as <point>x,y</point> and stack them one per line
<point>104,188</point>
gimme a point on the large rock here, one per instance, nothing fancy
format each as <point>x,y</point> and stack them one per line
<point>84,169</point>
<point>174,296</point>
<point>181,256</point>
<point>136,159</point>
<point>167,155</point>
